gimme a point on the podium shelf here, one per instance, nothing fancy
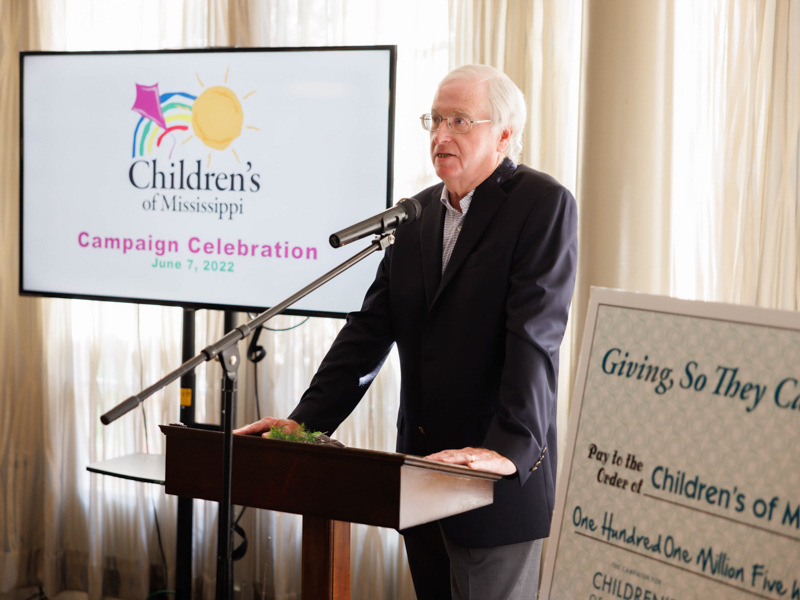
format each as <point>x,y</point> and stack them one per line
<point>149,468</point>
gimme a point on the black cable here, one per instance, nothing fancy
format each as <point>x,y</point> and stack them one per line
<point>240,550</point>
<point>255,386</point>
<point>40,594</point>
<point>287,328</point>
<point>240,515</point>
<point>160,592</point>
<point>256,353</point>
<point>160,543</point>
<point>253,316</point>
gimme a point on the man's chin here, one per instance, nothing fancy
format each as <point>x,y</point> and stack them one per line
<point>443,171</point>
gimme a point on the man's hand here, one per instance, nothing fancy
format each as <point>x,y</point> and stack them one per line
<point>264,425</point>
<point>479,459</point>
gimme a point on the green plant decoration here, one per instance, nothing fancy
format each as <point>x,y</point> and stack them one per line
<point>298,435</point>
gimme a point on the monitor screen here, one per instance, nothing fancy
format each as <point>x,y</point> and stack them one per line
<point>203,178</point>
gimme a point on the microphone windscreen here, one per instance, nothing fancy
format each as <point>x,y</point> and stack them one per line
<point>413,208</point>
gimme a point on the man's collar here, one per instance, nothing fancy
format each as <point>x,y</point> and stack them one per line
<point>501,174</point>
<point>464,204</point>
<point>504,171</point>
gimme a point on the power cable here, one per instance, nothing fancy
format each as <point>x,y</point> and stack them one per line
<point>256,353</point>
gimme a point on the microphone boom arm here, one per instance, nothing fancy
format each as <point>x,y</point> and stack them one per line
<point>212,351</point>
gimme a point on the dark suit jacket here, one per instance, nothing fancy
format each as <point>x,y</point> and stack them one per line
<point>478,346</point>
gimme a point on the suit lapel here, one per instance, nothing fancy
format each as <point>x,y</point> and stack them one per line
<point>431,242</point>
<point>486,201</point>
<point>480,214</point>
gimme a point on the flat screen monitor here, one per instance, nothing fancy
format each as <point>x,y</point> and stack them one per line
<point>205,179</point>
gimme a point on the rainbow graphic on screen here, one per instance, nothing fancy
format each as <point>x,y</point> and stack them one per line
<point>215,118</point>
<point>161,114</point>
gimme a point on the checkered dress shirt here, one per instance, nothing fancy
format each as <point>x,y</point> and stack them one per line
<point>453,220</point>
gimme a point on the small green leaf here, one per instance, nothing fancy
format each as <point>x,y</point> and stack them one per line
<point>298,435</point>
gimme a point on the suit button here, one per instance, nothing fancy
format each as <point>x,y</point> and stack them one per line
<point>422,431</point>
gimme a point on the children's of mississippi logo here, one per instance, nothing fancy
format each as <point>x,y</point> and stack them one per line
<point>215,117</point>
<point>169,120</point>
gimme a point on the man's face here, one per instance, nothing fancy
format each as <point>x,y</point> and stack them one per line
<point>463,161</point>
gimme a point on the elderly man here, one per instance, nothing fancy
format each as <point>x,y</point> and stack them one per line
<point>475,294</point>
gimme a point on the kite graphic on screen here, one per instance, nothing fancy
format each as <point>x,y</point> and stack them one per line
<point>215,117</point>
<point>161,114</point>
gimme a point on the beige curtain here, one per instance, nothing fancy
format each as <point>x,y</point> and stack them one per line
<point>688,161</point>
<point>625,150</point>
<point>737,153</point>
<point>22,429</point>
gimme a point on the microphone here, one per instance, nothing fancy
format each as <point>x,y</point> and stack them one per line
<point>407,210</point>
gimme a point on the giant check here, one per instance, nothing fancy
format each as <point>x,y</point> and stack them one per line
<point>681,478</point>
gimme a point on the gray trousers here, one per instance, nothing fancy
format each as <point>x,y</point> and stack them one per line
<point>500,573</point>
<point>442,570</point>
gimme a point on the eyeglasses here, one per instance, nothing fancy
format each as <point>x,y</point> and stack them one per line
<point>456,123</point>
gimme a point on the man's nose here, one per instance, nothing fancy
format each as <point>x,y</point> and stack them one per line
<point>442,134</point>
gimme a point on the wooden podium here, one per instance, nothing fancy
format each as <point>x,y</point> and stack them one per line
<point>331,487</point>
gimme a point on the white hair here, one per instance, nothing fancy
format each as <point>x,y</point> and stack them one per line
<point>506,102</point>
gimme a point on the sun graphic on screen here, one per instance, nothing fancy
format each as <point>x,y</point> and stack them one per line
<point>216,117</point>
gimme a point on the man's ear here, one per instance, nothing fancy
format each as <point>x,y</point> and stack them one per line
<point>504,140</point>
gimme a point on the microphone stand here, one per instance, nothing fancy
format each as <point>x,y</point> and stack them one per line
<point>226,351</point>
